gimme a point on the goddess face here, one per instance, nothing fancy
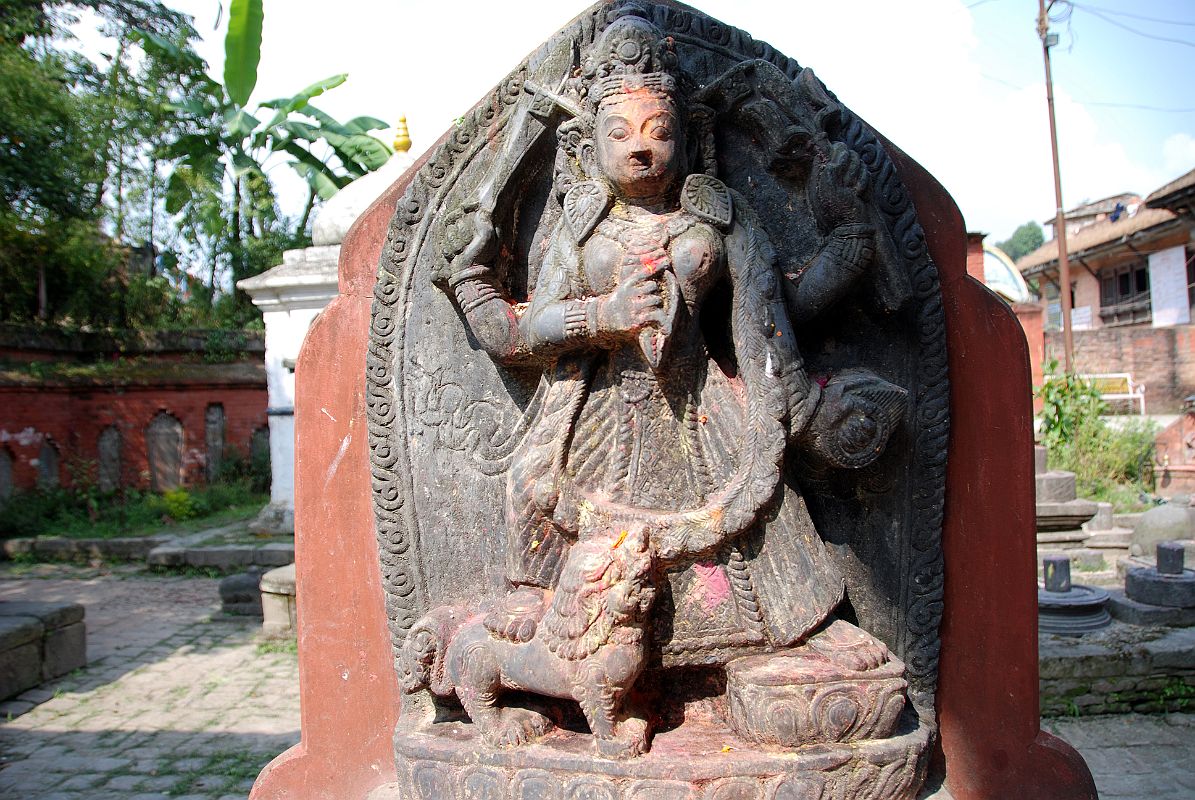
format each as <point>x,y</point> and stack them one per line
<point>639,145</point>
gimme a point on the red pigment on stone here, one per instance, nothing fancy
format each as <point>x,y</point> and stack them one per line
<point>715,588</point>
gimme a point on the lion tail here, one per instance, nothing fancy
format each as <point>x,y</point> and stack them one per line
<point>420,663</point>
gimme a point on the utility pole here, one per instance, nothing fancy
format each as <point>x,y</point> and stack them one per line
<point>1064,268</point>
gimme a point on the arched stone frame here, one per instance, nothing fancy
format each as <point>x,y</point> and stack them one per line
<point>164,451</point>
<point>214,426</point>
<point>49,465</point>
<point>109,458</point>
<point>6,482</point>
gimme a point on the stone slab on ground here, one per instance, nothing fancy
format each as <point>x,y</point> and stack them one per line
<point>39,641</point>
<point>1120,669</point>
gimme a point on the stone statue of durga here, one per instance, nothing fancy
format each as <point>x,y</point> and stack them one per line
<point>657,540</point>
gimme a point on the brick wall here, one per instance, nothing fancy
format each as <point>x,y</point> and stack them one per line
<point>1032,318</point>
<point>72,418</point>
<point>1161,358</point>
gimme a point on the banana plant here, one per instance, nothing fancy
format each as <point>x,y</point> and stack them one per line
<point>220,184</point>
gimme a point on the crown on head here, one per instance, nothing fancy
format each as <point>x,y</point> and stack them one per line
<point>631,56</point>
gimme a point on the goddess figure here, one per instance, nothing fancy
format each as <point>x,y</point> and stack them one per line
<point>673,391</point>
<point>676,382</point>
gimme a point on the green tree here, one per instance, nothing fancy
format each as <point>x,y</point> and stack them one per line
<point>220,187</point>
<point>1024,240</point>
<point>124,177</point>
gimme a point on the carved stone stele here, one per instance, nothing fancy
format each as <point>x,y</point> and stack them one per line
<point>658,413</point>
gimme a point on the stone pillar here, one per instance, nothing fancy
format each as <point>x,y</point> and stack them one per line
<point>290,296</point>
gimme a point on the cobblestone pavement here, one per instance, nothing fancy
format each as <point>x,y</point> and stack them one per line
<point>1135,756</point>
<point>175,701</point>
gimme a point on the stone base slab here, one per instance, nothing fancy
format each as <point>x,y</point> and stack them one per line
<point>39,642</point>
<point>1128,610</point>
<point>701,760</point>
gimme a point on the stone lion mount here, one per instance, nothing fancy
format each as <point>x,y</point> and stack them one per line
<point>650,463</point>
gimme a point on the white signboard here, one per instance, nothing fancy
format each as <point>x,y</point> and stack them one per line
<point>1168,287</point>
<point>1081,318</point>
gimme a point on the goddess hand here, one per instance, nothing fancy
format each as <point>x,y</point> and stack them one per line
<point>633,305</point>
<point>839,184</point>
<point>481,245</point>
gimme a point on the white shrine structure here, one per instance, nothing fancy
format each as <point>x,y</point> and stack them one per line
<point>290,296</point>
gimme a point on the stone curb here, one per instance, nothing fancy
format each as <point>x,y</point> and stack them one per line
<point>155,551</point>
<point>1124,669</point>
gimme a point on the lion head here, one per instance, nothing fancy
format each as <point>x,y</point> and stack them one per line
<point>606,582</point>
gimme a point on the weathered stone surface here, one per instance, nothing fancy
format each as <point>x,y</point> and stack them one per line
<point>1170,558</point>
<point>39,641</point>
<point>275,554</point>
<point>1116,539</point>
<point>167,555</point>
<point>64,650</point>
<point>592,500</point>
<point>54,548</point>
<point>1166,522</point>
<point>51,615</point>
<point>241,593</point>
<point>20,667</point>
<point>1055,486</point>
<point>278,602</point>
<point>1122,669</point>
<point>1064,515</point>
<point>223,557</point>
<point>1147,585</point>
<point>18,630</point>
<point>1132,612</point>
<point>280,580</point>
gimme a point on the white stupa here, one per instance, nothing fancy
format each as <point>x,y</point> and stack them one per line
<point>289,296</point>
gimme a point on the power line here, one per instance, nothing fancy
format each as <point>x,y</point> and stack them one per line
<point>1143,107</point>
<point>1137,106</point>
<point>1111,21</point>
<point>1140,17</point>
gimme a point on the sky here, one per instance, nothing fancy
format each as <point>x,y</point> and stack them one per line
<point>957,84</point>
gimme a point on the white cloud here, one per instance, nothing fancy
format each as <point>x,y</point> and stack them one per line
<point>1178,153</point>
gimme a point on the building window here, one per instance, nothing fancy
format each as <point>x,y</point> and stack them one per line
<point>1124,294</point>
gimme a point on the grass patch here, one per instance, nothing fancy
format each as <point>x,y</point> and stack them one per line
<point>81,515</point>
<point>288,645</point>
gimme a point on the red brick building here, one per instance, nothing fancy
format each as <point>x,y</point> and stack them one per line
<point>149,412</point>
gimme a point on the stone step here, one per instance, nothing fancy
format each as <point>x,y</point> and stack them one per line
<point>1055,486</point>
<point>1114,539</point>
<point>1064,516</point>
<point>1062,540</point>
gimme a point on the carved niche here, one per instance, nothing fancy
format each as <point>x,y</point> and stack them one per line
<point>658,413</point>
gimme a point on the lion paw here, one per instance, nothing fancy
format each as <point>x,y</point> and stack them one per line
<point>629,740</point>
<point>518,726</point>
